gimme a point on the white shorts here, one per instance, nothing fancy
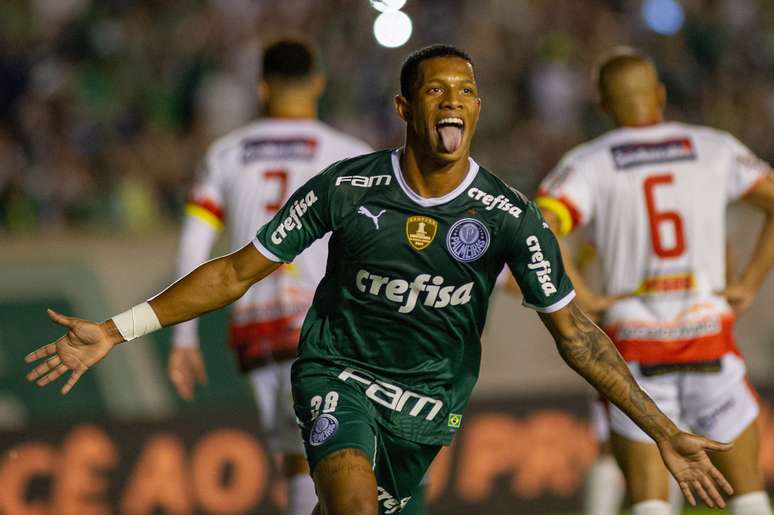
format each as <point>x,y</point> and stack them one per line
<point>718,405</point>
<point>599,412</point>
<point>271,386</point>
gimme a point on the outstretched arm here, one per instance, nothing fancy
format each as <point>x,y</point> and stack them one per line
<point>741,293</point>
<point>210,286</point>
<point>304,218</point>
<point>587,349</point>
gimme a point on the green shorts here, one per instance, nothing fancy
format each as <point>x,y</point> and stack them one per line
<point>334,415</point>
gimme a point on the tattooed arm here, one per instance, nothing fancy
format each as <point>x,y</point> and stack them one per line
<point>587,349</point>
<point>590,352</point>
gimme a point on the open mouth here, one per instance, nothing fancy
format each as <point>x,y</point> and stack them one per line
<point>450,131</point>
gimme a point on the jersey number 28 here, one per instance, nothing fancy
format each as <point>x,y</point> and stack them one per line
<point>659,218</point>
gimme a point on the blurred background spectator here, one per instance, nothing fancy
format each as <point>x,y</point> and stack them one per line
<point>105,107</point>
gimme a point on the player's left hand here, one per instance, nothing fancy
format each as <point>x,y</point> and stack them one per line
<point>685,455</point>
<point>739,296</point>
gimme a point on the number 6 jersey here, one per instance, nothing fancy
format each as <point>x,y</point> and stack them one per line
<point>654,200</point>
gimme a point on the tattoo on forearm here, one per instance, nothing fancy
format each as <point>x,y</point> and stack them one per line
<point>591,353</point>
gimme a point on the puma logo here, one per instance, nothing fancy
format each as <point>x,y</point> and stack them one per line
<point>362,210</point>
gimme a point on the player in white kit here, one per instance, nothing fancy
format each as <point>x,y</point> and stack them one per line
<point>247,175</point>
<point>604,487</point>
<point>654,196</point>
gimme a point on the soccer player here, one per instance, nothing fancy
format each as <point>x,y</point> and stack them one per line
<point>604,488</point>
<point>247,175</point>
<point>390,349</point>
<point>654,194</point>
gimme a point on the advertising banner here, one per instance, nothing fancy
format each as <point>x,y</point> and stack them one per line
<point>512,456</point>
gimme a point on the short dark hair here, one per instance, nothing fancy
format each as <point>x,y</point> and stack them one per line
<point>410,69</point>
<point>289,59</point>
<point>612,61</point>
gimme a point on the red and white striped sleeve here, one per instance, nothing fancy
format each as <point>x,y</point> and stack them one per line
<point>567,191</point>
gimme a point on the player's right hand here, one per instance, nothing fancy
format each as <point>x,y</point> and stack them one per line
<point>85,344</point>
<point>186,367</point>
<point>739,296</point>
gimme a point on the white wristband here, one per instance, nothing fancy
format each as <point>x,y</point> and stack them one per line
<point>136,322</point>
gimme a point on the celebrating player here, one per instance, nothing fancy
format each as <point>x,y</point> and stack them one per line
<point>655,196</point>
<point>246,177</point>
<point>390,349</point>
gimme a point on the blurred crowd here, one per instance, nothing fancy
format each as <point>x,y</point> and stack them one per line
<point>107,105</point>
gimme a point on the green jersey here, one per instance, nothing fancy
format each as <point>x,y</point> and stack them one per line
<point>402,305</point>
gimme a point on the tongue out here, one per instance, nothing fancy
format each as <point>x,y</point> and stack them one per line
<point>451,137</point>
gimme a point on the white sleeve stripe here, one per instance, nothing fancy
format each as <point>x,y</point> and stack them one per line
<point>266,252</point>
<point>556,306</point>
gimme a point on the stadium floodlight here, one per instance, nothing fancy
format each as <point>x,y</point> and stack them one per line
<point>392,29</point>
<point>385,6</point>
<point>663,16</point>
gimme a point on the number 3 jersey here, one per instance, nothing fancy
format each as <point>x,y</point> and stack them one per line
<point>402,306</point>
<point>654,200</point>
<point>246,178</point>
